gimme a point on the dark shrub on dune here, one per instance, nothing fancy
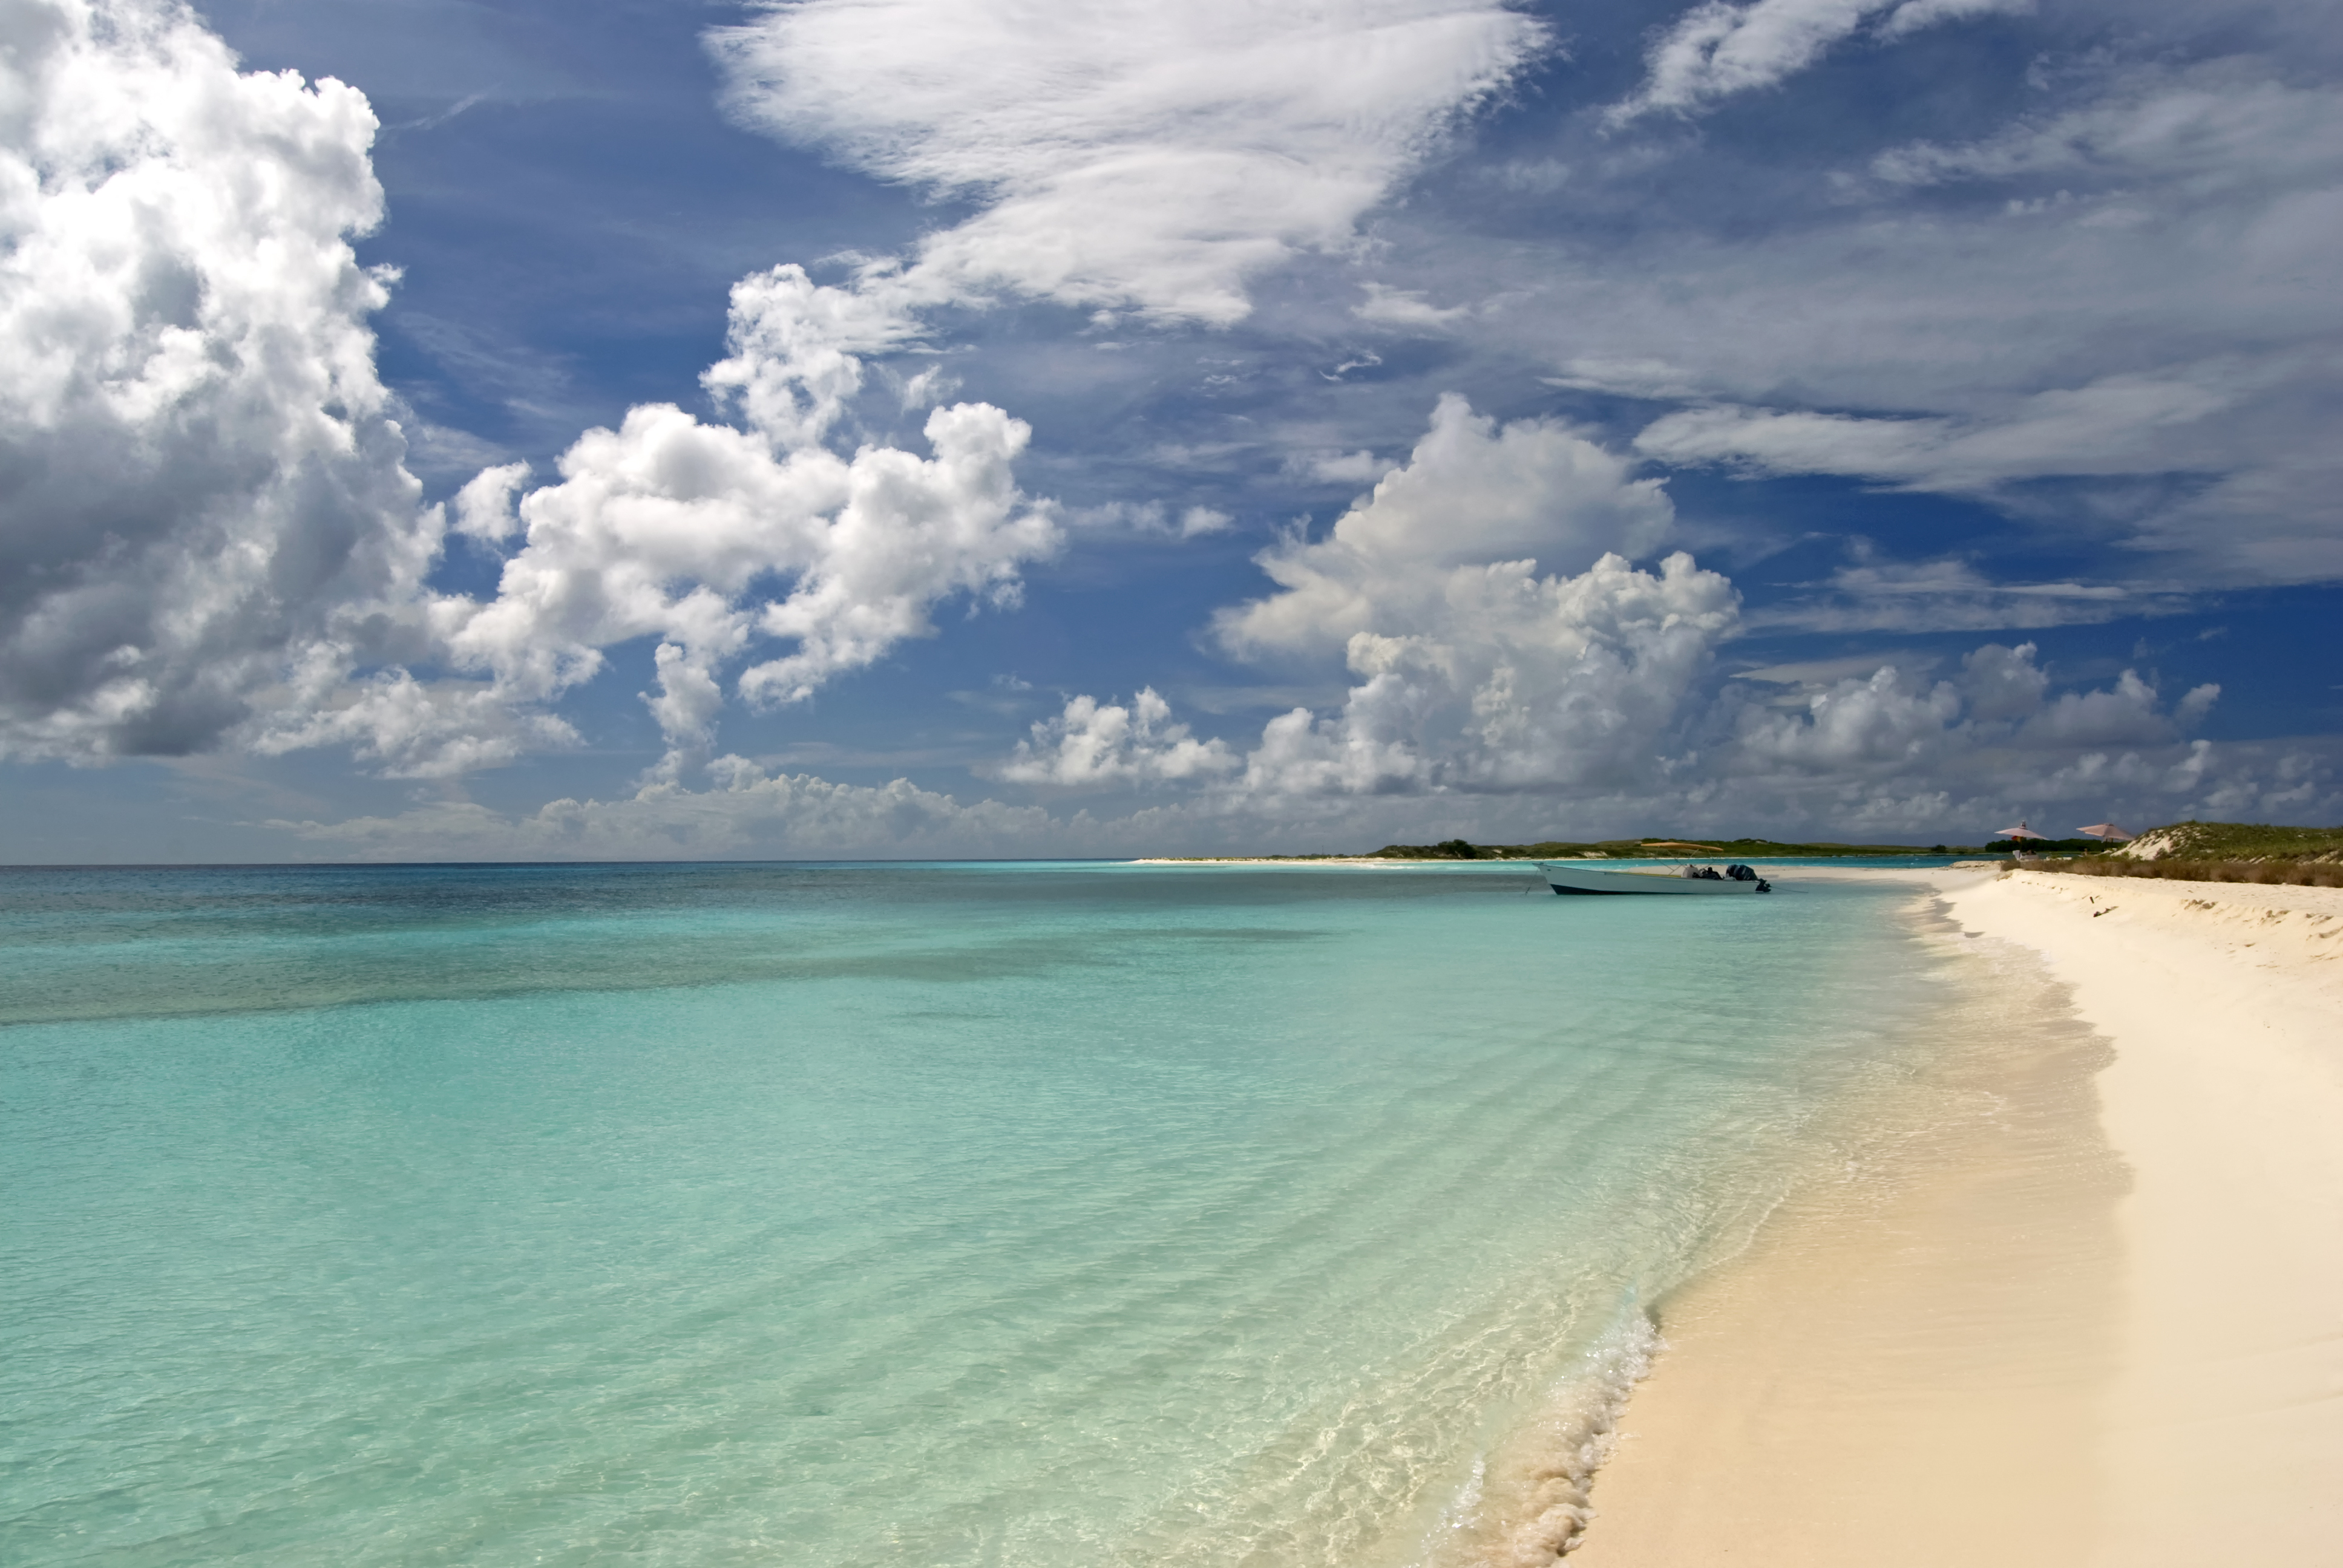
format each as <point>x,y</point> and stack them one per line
<point>2290,873</point>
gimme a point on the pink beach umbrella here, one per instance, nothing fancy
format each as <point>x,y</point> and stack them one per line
<point>2020,831</point>
<point>2106,833</point>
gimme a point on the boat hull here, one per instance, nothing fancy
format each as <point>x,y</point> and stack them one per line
<point>1572,879</point>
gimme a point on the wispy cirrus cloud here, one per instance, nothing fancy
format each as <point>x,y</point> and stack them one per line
<point>2119,425</point>
<point>2212,127</point>
<point>2108,310</point>
<point>1949,594</point>
<point>1719,49</point>
<point>1125,155</point>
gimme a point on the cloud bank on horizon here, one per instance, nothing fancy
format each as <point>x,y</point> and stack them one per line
<point>2053,306</point>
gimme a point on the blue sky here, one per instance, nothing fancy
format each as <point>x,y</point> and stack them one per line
<point>958,427</point>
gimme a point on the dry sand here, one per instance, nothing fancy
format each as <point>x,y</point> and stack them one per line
<point>2090,1313</point>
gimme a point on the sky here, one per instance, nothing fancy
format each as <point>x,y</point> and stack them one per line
<point>838,428</point>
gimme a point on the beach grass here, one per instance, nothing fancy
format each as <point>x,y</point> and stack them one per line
<point>2304,873</point>
<point>2195,852</point>
<point>2240,841</point>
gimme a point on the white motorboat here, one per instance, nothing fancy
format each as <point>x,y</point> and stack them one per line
<point>1577,877</point>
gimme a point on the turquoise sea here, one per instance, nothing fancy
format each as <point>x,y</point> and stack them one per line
<point>1041,1214</point>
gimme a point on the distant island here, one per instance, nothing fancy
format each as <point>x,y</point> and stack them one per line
<point>2191,851</point>
<point>1670,849</point>
<point>1675,849</point>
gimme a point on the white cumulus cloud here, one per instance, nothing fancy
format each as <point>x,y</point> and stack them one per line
<point>1473,493</point>
<point>1554,684</point>
<point>1471,670</point>
<point>210,532</point>
<point>1093,743</point>
<point>204,510</point>
<point>1474,675</point>
<point>1995,718</point>
<point>1121,157</point>
<point>669,527</point>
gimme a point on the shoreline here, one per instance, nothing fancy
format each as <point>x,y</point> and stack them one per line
<point>1802,865</point>
<point>2101,1325</point>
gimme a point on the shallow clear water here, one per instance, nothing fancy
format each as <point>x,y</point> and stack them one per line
<point>1033,1214</point>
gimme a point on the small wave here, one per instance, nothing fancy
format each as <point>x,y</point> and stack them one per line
<point>1527,1504</point>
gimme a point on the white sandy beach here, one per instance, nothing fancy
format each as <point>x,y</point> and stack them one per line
<point>2100,1323</point>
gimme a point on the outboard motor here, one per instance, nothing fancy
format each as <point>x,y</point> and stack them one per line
<point>1741,873</point>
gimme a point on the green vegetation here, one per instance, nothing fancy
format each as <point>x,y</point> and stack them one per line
<point>1453,849</point>
<point>2194,840</point>
<point>2222,852</point>
<point>2297,873</point>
